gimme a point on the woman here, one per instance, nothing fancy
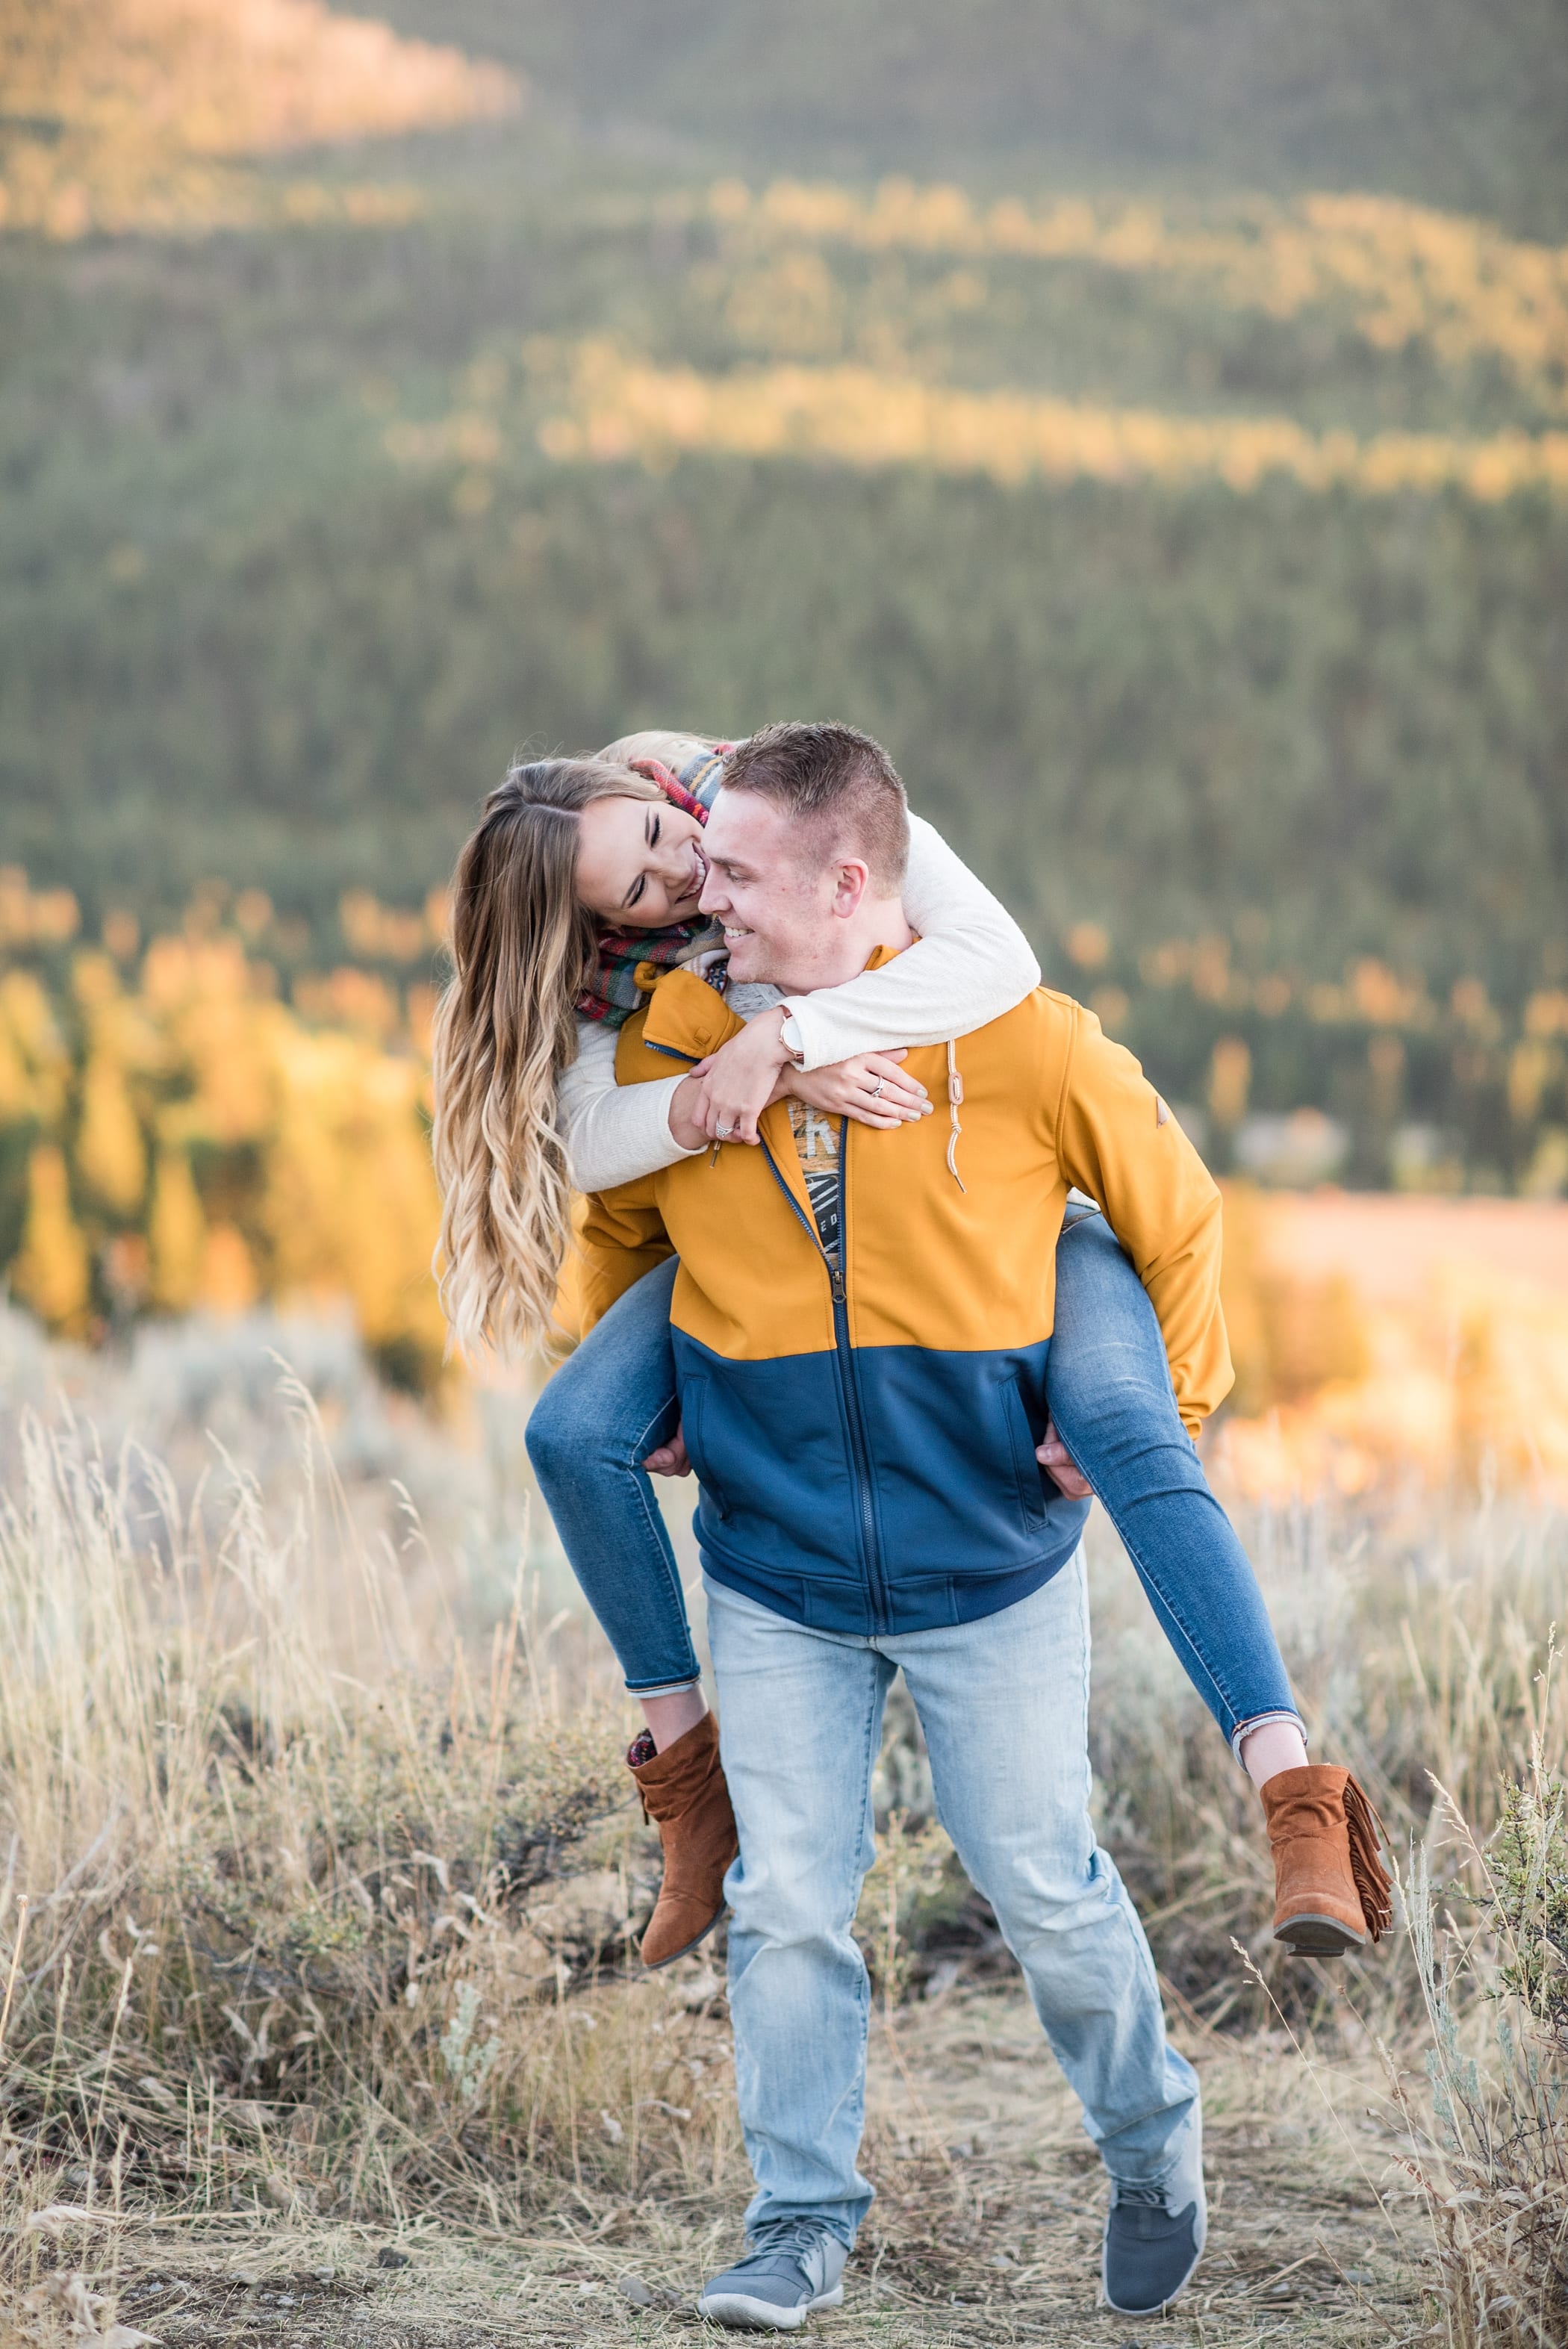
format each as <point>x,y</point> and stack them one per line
<point>582,879</point>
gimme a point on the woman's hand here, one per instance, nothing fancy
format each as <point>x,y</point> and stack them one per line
<point>740,1079</point>
<point>1053,1454</point>
<point>870,1088</point>
<point>688,1105</point>
<point>725,1095</point>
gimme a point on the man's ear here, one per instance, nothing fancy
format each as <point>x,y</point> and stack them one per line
<point>852,879</point>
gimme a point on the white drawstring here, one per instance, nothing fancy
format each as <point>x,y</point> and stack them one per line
<point>954,1095</point>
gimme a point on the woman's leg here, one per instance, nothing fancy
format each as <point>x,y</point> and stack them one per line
<point>598,1419</point>
<point>1110,1397</point>
<point>604,1410</point>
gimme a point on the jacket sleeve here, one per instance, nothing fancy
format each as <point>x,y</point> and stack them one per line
<point>1117,1140</point>
<point>620,1236</point>
<point>970,964</point>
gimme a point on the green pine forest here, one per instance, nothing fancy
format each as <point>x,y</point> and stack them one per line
<point>1278,774</point>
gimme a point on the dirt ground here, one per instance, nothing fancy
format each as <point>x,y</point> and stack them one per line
<point>986,2229</point>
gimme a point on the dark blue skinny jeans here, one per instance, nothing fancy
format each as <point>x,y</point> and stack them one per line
<point>1109,1386</point>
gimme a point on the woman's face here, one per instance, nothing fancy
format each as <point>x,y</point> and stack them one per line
<point>640,864</point>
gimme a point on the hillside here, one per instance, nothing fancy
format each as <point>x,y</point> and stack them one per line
<point>1422,98</point>
<point>1192,523</point>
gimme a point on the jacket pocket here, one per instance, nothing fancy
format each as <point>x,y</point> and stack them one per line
<point>694,1402</point>
<point>1026,1467</point>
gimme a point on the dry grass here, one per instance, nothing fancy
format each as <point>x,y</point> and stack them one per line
<point>314,1902</point>
<point>280,1935</point>
<point>986,2230</point>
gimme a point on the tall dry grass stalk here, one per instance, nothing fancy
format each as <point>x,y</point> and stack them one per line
<point>278,1935</point>
<point>1492,2160</point>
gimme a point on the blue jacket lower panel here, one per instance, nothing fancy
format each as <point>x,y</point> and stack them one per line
<point>891,1488</point>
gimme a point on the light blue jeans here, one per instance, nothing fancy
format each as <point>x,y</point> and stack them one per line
<point>1005,1705</point>
<point>1108,1385</point>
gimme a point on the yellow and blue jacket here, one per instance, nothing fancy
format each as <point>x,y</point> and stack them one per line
<point>864,1437</point>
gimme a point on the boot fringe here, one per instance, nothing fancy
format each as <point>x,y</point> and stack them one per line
<point>1373,1881</point>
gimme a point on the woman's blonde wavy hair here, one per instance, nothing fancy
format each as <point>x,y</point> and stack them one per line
<point>523,949</point>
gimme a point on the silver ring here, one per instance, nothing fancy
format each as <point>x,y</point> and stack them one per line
<point>876,1089</point>
<point>723,1132</point>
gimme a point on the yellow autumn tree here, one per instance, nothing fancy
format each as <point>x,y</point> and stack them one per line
<point>34,1064</point>
<point>112,1156</point>
<point>52,1272</point>
<point>177,1233</point>
<point>350,1204</point>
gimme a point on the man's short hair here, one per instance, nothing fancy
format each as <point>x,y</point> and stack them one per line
<point>836,778</point>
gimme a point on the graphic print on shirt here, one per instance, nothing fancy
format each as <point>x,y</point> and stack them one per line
<point>817,1147</point>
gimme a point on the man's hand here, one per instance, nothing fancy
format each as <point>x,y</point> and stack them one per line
<point>1053,1455</point>
<point>870,1088</point>
<point>669,1459</point>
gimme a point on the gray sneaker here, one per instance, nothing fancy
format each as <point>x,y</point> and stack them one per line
<point>794,2265</point>
<point>1154,2236</point>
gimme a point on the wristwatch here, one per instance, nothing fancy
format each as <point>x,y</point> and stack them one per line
<point>789,1037</point>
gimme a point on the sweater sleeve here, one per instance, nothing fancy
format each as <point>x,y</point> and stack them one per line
<point>613,1133</point>
<point>970,964</point>
<point>1117,1140</point>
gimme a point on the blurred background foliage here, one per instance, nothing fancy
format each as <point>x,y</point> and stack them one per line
<point>175,1137</point>
<point>1152,422</point>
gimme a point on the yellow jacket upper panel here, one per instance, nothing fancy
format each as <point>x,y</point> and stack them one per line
<point>1048,1103</point>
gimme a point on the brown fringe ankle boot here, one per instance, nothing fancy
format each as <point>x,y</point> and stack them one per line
<point>1331,1890</point>
<point>683,1794</point>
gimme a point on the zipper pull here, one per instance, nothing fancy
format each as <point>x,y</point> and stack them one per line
<point>838,1280</point>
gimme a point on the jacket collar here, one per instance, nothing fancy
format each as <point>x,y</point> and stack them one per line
<point>688,1017</point>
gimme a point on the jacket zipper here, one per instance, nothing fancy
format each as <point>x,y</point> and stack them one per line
<point>858,1444</point>
<point>859,1450</point>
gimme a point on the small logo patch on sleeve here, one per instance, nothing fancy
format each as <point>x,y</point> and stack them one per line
<point>1162,1114</point>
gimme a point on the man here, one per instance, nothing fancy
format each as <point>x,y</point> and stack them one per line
<point>861,1322</point>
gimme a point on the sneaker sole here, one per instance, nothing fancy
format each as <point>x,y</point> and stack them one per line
<point>1318,1937</point>
<point>697,1938</point>
<point>738,2308</point>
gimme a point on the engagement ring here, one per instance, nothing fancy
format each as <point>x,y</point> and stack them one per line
<point>723,1132</point>
<point>876,1088</point>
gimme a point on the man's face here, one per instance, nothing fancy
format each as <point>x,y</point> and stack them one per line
<point>771,889</point>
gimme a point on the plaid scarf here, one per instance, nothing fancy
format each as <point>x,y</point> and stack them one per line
<point>618,988</point>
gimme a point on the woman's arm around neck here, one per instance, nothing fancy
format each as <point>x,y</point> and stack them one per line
<point>614,1133</point>
<point>970,963</point>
